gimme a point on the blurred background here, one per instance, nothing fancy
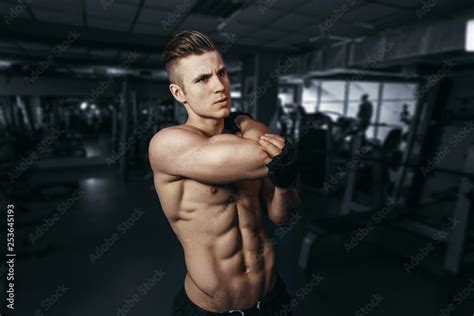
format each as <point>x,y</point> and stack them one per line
<point>377,94</point>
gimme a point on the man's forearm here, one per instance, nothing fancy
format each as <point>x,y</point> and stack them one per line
<point>283,200</point>
<point>283,203</point>
<point>220,159</point>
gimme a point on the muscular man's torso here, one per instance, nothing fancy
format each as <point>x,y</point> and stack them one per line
<point>228,255</point>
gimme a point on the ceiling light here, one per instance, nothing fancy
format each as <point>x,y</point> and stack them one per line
<point>5,63</point>
<point>115,71</point>
<point>470,36</point>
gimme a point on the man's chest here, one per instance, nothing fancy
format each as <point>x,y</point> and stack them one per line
<point>239,192</point>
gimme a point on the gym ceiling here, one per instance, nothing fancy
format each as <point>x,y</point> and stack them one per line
<point>110,29</point>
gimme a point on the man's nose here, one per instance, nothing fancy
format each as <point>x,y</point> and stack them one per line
<point>217,83</point>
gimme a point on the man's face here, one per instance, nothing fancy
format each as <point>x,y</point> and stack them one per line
<point>206,84</point>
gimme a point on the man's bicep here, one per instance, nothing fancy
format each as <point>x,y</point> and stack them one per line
<point>171,151</point>
<point>185,154</point>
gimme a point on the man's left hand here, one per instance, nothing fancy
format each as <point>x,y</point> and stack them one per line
<point>280,160</point>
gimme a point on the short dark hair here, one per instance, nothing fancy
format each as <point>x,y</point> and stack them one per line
<point>183,44</point>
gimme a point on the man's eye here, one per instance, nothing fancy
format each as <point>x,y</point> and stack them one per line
<point>222,73</point>
<point>202,79</point>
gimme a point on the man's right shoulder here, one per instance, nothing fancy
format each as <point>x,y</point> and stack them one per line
<point>169,142</point>
<point>173,135</point>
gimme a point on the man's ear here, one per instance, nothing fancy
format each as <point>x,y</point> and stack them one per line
<point>177,92</point>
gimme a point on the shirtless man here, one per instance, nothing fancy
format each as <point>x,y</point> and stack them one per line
<point>211,179</point>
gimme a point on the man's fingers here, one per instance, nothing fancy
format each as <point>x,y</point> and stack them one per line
<point>265,157</point>
<point>274,136</point>
<point>270,148</point>
<point>275,140</point>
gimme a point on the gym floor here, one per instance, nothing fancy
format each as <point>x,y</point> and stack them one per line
<point>66,275</point>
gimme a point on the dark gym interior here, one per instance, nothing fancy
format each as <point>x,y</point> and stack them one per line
<point>378,95</point>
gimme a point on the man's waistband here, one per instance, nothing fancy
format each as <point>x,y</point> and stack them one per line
<point>269,297</point>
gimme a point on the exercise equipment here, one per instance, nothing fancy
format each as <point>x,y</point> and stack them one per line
<point>459,242</point>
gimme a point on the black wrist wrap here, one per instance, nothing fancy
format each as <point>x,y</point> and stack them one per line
<point>282,170</point>
<point>229,122</point>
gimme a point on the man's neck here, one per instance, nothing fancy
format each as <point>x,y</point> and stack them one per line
<point>209,127</point>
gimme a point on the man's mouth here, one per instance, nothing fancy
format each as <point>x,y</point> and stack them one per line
<point>221,100</point>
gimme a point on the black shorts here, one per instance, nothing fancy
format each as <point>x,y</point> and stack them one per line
<point>272,304</point>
